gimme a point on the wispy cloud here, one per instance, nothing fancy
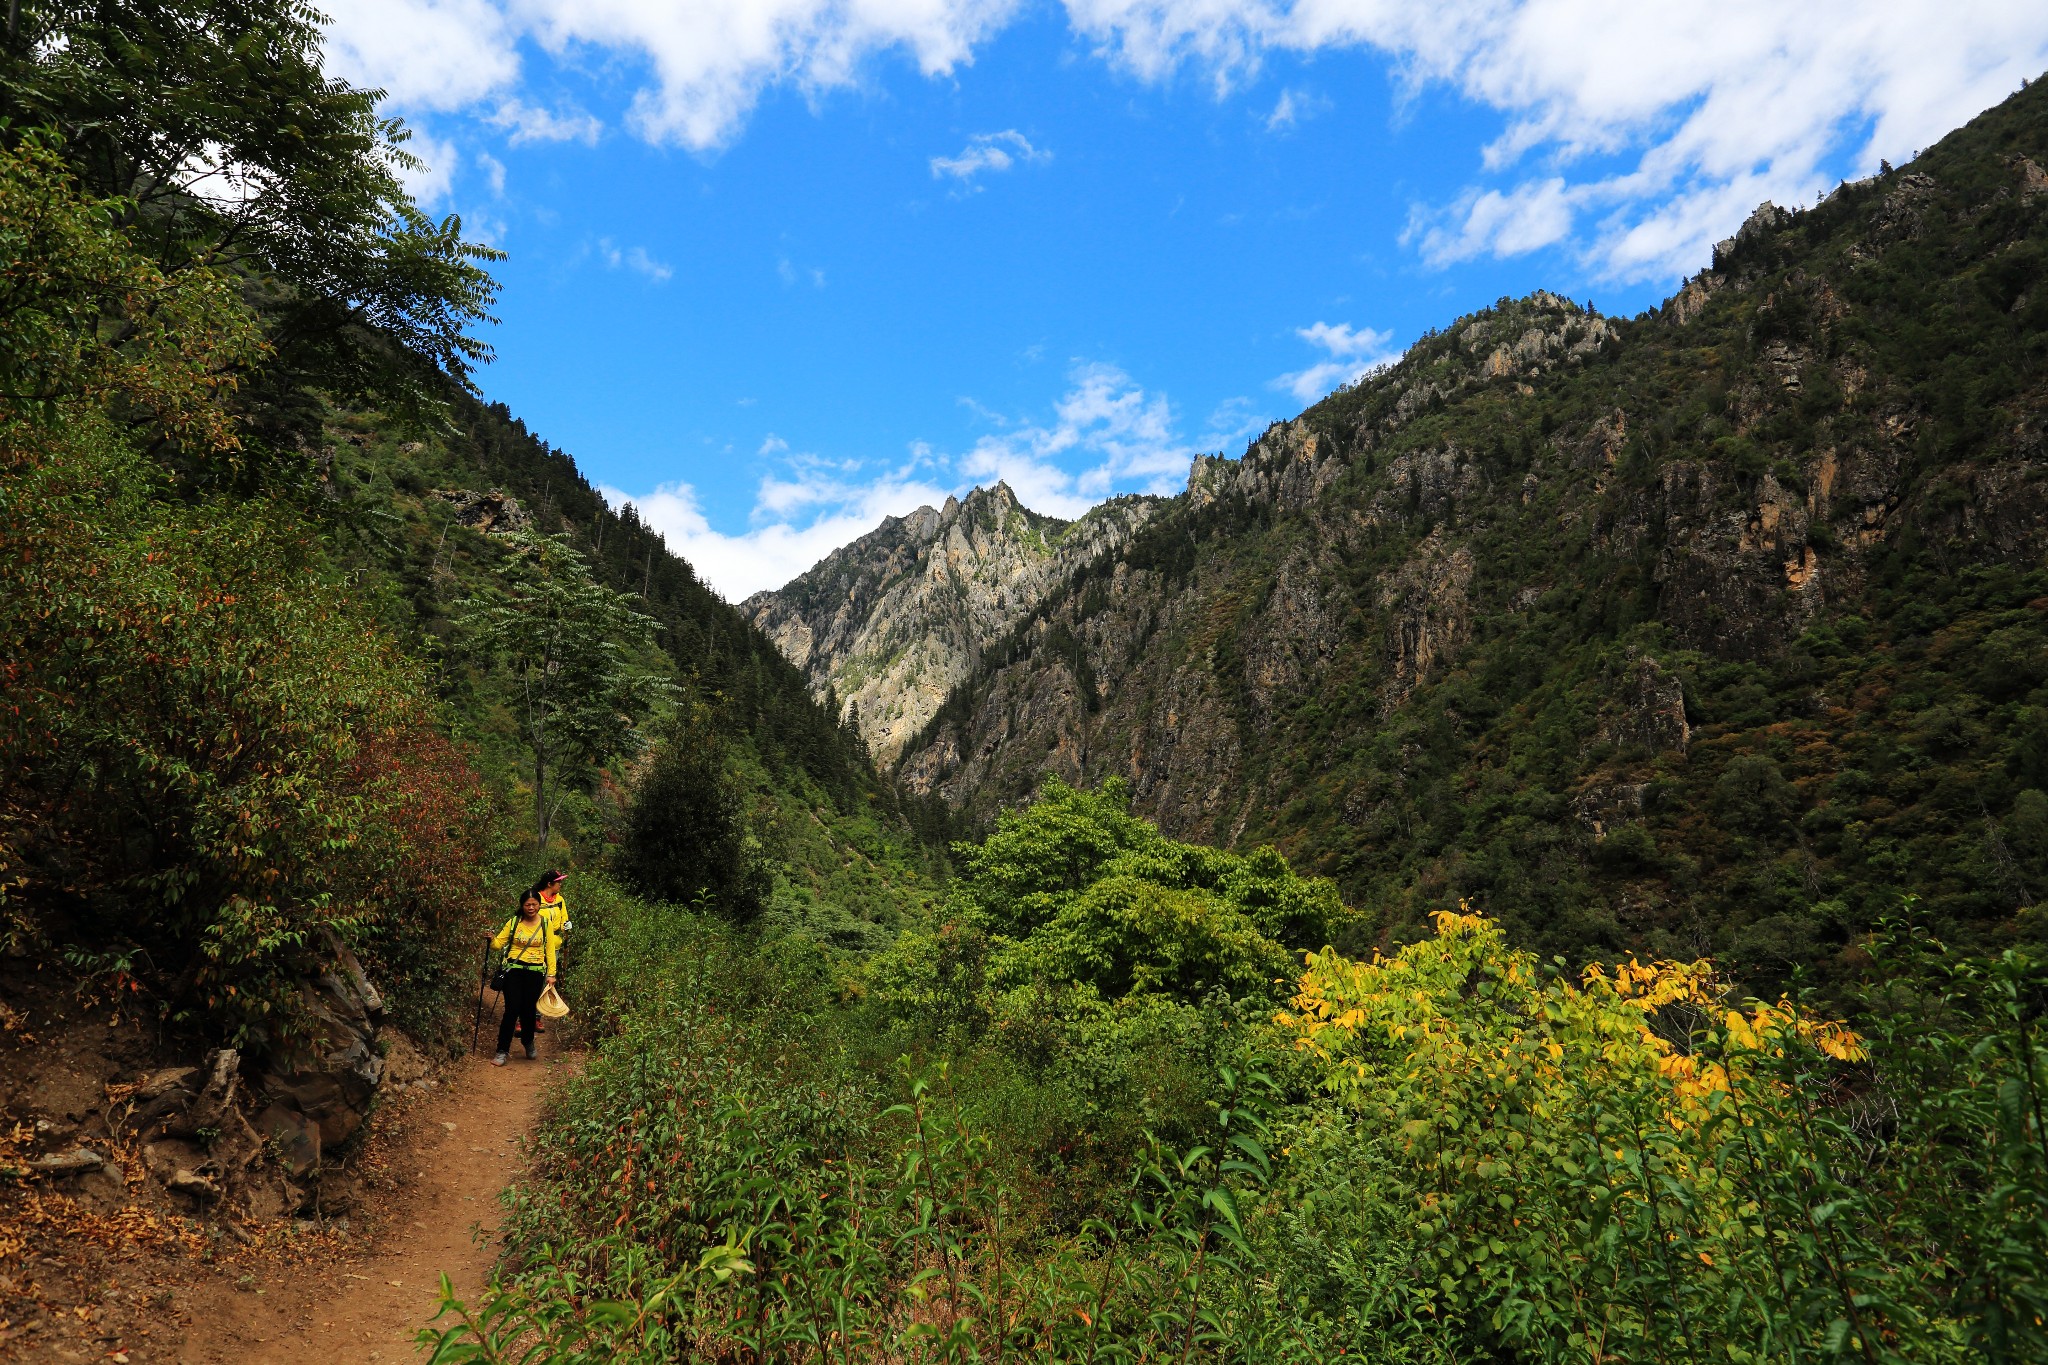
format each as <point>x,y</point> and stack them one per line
<point>494,171</point>
<point>792,274</point>
<point>1350,351</point>
<point>634,258</point>
<point>1105,434</point>
<point>1295,107</point>
<point>1532,215</point>
<point>1108,434</point>
<point>1707,109</point>
<point>986,152</point>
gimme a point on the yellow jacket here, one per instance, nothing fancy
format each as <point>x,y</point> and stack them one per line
<point>554,910</point>
<point>534,945</point>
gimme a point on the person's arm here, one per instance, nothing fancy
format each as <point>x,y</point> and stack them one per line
<point>503,936</point>
<point>551,939</point>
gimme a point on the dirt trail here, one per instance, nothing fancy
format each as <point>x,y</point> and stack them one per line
<point>366,1308</point>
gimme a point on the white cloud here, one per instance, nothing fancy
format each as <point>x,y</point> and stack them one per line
<point>1295,107</point>
<point>425,54</point>
<point>777,547</point>
<point>1711,108</point>
<point>1535,214</point>
<point>1352,351</point>
<point>433,179</point>
<point>530,123</point>
<point>634,258</point>
<point>988,152</point>
<point>1706,108</point>
<point>1108,435</point>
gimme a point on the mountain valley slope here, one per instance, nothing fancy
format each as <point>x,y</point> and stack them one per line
<point>1719,629</point>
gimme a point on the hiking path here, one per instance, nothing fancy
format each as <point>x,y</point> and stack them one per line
<point>464,1144</point>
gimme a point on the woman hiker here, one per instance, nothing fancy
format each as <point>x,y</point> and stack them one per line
<point>529,943</point>
<point>553,908</point>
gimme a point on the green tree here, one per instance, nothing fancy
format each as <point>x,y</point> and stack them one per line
<point>686,835</point>
<point>560,638</point>
<point>218,143</point>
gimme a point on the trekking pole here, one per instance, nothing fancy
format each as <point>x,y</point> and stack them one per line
<point>483,974</point>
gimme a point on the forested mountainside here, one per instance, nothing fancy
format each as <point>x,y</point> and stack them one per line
<point>457,490</point>
<point>1718,629</point>
<point>886,627</point>
<point>310,651</point>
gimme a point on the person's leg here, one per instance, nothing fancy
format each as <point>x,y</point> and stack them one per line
<point>506,1024</point>
<point>529,1012</point>
<point>522,993</point>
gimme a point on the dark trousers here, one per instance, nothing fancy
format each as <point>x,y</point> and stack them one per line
<point>522,993</point>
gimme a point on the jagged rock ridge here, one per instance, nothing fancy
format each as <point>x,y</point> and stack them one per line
<point>891,623</point>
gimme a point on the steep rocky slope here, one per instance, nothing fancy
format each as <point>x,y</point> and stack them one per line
<point>893,622</point>
<point>1715,629</point>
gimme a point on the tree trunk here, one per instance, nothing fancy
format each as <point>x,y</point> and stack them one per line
<point>540,799</point>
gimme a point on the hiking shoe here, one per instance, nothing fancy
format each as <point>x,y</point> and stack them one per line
<point>540,1028</point>
<point>500,1059</point>
<point>530,1052</point>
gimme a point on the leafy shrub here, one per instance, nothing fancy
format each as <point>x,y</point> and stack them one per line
<point>1075,889</point>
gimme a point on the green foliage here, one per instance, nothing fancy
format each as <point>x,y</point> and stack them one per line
<point>686,836</point>
<point>1076,890</point>
<point>1467,1155</point>
<point>85,318</point>
<point>559,639</point>
<point>1630,1168</point>
<point>209,749</point>
<point>217,768</point>
<point>219,144</point>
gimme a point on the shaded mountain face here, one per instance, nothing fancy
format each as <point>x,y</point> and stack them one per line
<point>890,624</point>
<point>1719,629</point>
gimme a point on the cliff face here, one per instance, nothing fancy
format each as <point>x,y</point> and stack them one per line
<point>893,622</point>
<point>1713,629</point>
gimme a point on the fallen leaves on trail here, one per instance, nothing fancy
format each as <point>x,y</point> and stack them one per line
<point>129,1229</point>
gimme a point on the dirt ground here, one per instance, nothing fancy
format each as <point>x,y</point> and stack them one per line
<point>468,1143</point>
<point>343,1290</point>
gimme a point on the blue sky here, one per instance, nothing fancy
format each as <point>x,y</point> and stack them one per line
<point>781,267</point>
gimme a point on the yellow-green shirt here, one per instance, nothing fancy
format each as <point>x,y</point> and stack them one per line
<point>532,946</point>
<point>555,911</point>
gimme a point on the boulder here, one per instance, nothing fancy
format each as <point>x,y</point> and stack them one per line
<point>331,1072</point>
<point>488,512</point>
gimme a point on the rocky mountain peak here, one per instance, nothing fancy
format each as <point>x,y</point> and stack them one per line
<point>890,623</point>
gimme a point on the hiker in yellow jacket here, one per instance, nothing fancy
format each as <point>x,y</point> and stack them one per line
<point>554,910</point>
<point>530,944</point>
